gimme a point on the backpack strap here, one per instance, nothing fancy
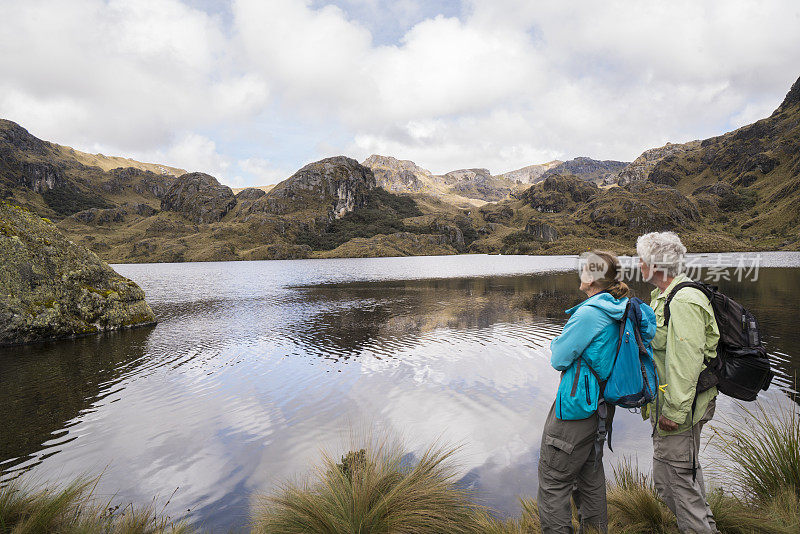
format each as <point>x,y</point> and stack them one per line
<point>707,290</point>
<point>603,419</point>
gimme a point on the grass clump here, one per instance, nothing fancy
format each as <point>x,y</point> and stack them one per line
<point>373,491</point>
<point>764,449</point>
<point>73,510</point>
<point>634,505</point>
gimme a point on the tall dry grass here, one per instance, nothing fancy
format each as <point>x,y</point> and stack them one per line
<point>372,491</point>
<point>72,509</point>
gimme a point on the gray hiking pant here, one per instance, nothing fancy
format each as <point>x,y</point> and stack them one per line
<point>672,474</point>
<point>567,468</point>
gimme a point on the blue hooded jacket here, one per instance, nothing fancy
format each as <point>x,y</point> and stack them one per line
<point>590,336</point>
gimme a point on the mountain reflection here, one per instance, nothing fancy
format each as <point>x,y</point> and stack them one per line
<point>46,386</point>
<point>363,315</point>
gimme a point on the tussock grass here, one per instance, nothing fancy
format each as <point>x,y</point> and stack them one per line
<point>634,505</point>
<point>764,448</point>
<point>73,510</point>
<point>372,491</point>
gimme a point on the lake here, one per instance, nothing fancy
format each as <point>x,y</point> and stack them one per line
<point>256,367</point>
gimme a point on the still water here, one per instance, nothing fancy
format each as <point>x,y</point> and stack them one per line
<point>255,367</point>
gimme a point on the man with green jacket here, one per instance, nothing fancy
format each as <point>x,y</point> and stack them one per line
<point>681,350</point>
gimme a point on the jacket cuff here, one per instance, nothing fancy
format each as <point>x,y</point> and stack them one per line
<point>678,416</point>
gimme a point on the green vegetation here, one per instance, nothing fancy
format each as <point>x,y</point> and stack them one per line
<point>68,200</point>
<point>383,213</point>
<point>72,509</point>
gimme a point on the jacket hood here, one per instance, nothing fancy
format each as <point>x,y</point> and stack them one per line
<point>605,302</point>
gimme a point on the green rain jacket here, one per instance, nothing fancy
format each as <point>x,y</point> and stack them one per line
<point>681,352</point>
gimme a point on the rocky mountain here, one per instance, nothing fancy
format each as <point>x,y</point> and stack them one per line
<point>737,191</point>
<point>51,288</point>
<point>530,174</point>
<point>747,180</point>
<point>640,168</point>
<point>478,184</point>
<point>200,197</point>
<point>463,188</point>
<point>588,169</point>
<point>57,181</point>
<point>399,175</point>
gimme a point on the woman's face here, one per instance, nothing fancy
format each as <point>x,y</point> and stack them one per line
<point>586,280</point>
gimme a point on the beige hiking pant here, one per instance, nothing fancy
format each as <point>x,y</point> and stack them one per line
<point>672,474</point>
<point>567,468</point>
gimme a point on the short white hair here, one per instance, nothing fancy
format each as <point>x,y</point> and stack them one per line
<point>662,251</point>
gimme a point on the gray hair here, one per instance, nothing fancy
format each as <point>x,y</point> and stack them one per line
<point>662,251</point>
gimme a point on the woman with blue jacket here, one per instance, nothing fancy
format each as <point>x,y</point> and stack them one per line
<point>570,465</point>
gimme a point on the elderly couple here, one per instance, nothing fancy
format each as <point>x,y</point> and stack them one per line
<point>570,465</point>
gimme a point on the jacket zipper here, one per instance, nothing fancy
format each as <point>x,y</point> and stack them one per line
<point>576,378</point>
<point>588,398</point>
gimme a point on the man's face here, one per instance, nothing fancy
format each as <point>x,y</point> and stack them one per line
<point>646,272</point>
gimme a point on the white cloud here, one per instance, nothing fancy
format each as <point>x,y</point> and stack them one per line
<point>262,170</point>
<point>506,84</point>
<point>192,152</point>
<point>132,73</point>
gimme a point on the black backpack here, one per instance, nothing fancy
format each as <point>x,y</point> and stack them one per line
<point>741,368</point>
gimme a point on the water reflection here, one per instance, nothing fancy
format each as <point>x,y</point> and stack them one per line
<point>46,388</point>
<point>256,365</point>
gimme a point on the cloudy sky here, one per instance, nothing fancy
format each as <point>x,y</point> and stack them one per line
<point>251,90</point>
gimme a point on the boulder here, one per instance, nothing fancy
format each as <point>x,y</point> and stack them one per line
<point>199,197</point>
<point>51,288</point>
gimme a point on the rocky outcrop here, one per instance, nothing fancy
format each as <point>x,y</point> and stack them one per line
<point>640,168</point>
<point>12,135</point>
<point>532,173</point>
<point>558,193</point>
<point>478,184</point>
<point>143,182</point>
<point>336,186</point>
<point>51,288</point>
<point>398,175</point>
<point>587,169</point>
<point>541,230</point>
<point>101,216</point>
<point>199,197</point>
<point>641,207</point>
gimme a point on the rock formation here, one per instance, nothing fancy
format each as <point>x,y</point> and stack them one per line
<point>640,168</point>
<point>398,176</point>
<point>532,173</point>
<point>200,197</point>
<point>587,169</point>
<point>336,185</point>
<point>51,288</point>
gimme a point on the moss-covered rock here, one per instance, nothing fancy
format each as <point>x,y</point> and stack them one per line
<point>51,288</point>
